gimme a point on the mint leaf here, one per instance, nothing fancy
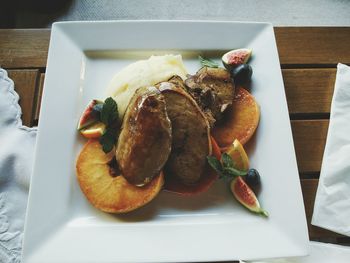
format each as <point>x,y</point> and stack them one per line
<point>233,172</point>
<point>109,111</point>
<point>205,62</point>
<point>225,168</point>
<point>215,164</point>
<point>108,139</point>
<point>226,160</point>
<point>109,116</point>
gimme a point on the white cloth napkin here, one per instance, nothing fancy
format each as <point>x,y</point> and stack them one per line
<point>332,203</point>
<point>16,158</point>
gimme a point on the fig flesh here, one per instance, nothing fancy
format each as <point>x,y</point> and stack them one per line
<point>245,196</point>
<point>89,116</point>
<point>236,57</point>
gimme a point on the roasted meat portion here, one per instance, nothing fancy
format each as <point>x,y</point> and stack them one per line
<point>190,135</point>
<point>213,90</point>
<point>145,140</point>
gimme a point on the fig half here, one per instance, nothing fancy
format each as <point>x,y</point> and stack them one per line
<point>89,116</point>
<point>236,57</point>
<point>246,196</point>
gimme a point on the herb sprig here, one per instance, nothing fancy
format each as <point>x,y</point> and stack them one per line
<point>108,113</point>
<point>206,62</point>
<point>225,167</point>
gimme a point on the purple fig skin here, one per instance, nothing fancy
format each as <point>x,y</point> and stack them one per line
<point>246,196</point>
<point>236,57</point>
<point>89,117</point>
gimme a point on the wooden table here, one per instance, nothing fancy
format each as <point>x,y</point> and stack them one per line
<point>308,59</point>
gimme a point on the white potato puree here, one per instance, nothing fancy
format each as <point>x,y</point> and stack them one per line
<point>143,73</point>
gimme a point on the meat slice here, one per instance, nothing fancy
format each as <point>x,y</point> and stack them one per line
<point>144,143</point>
<point>213,90</point>
<point>190,133</point>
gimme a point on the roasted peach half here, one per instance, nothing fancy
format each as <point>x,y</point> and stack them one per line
<point>107,190</point>
<point>240,121</point>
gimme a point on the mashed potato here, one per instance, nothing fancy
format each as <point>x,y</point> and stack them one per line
<point>143,73</point>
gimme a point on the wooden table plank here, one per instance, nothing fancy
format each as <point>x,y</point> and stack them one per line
<point>25,85</point>
<point>313,45</point>
<point>309,90</point>
<point>38,98</point>
<point>24,48</point>
<point>310,46</point>
<point>309,187</point>
<point>309,141</point>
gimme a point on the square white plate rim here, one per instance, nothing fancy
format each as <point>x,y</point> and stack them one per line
<point>47,231</point>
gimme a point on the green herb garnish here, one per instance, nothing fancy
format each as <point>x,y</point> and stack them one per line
<point>109,116</point>
<point>109,111</point>
<point>225,167</point>
<point>108,139</point>
<point>206,62</point>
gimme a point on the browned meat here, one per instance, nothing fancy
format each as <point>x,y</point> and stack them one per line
<point>144,143</point>
<point>177,81</point>
<point>213,90</point>
<point>190,133</point>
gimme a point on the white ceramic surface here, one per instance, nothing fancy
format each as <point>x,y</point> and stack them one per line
<point>61,226</point>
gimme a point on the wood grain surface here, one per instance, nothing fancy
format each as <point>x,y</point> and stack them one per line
<point>25,85</point>
<point>313,46</point>
<point>297,46</point>
<point>309,90</point>
<point>308,59</point>
<point>38,98</point>
<point>309,140</point>
<point>24,48</point>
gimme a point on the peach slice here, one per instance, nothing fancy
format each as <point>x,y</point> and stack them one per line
<point>106,190</point>
<point>94,131</point>
<point>241,120</point>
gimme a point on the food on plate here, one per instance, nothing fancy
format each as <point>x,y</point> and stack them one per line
<point>213,90</point>
<point>206,62</point>
<point>143,73</point>
<point>105,187</point>
<point>240,121</point>
<point>204,183</point>
<point>236,57</point>
<point>145,139</point>
<point>242,74</point>
<point>238,155</point>
<point>95,130</point>
<point>89,116</point>
<point>190,135</point>
<point>163,127</point>
<point>226,168</point>
<point>246,196</point>
<point>253,180</point>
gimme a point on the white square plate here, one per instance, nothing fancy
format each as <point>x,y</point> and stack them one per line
<point>61,226</point>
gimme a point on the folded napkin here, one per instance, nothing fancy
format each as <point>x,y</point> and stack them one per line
<point>16,159</point>
<point>332,204</point>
